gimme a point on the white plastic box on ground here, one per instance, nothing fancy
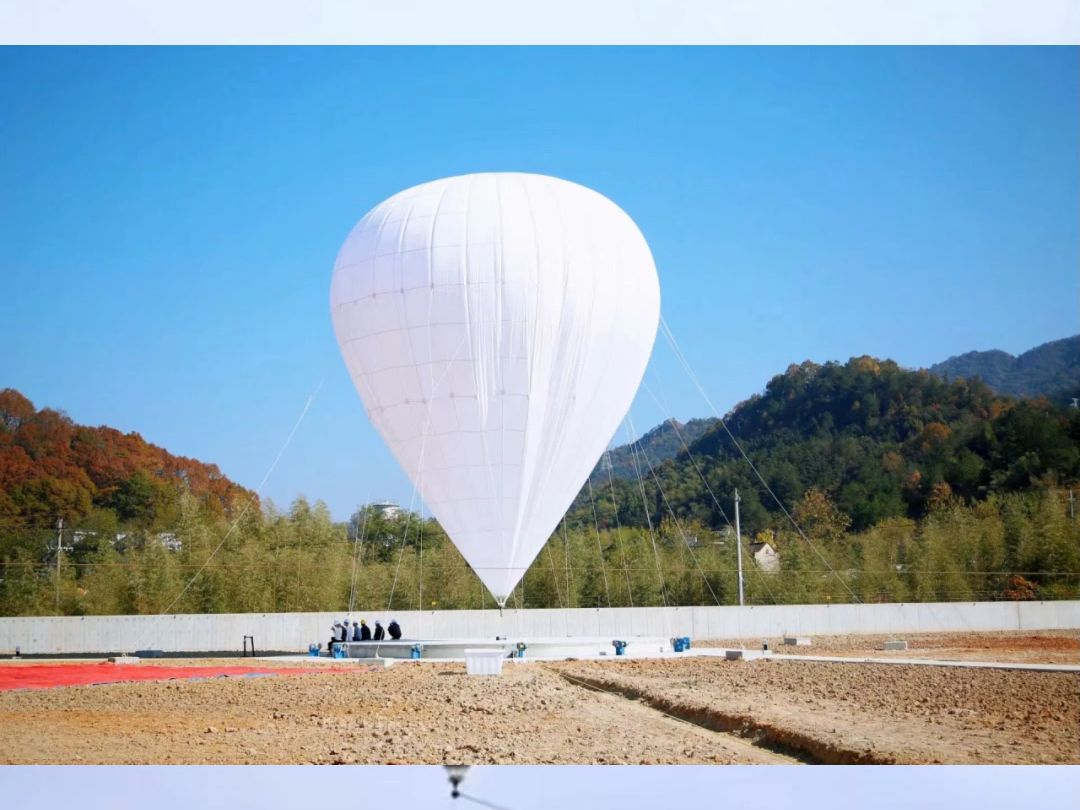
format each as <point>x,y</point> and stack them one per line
<point>484,662</point>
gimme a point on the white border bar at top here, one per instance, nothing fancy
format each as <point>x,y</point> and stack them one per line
<point>541,22</point>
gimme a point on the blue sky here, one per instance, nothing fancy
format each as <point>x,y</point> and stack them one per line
<point>169,217</point>
<point>542,788</point>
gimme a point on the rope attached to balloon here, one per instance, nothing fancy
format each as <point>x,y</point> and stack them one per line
<point>254,497</point>
<point>720,419</point>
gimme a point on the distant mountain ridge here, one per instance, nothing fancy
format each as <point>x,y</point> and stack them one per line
<point>1051,370</point>
<point>879,440</point>
<point>663,442</point>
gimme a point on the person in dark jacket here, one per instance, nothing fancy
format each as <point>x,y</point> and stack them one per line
<point>394,629</point>
<point>380,633</point>
<point>356,632</point>
<point>365,631</point>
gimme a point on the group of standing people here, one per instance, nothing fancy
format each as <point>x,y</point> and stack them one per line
<point>359,631</point>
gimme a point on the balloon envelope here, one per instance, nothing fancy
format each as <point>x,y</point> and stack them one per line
<point>497,327</point>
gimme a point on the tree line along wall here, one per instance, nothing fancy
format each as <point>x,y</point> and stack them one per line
<point>1013,547</point>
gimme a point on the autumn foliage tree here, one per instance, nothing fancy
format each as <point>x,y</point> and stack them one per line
<point>51,468</point>
<point>102,483</point>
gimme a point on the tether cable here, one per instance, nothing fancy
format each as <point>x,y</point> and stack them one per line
<point>251,500</point>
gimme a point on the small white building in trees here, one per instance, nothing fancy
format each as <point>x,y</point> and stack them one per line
<point>765,556</point>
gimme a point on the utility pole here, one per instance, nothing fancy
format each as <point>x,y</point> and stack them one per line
<point>59,551</point>
<point>1072,506</point>
<point>738,546</point>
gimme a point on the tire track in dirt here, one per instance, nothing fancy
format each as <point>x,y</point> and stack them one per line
<point>759,742</point>
<point>787,745</point>
<point>864,713</point>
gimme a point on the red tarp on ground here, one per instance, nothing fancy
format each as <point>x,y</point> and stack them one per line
<point>47,676</point>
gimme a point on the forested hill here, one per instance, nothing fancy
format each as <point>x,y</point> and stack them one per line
<point>879,440</point>
<point>664,441</point>
<point>52,468</point>
<point>1051,370</point>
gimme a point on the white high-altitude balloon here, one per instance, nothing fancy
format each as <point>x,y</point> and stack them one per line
<point>497,327</point>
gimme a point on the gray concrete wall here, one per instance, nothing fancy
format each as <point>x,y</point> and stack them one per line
<point>294,631</point>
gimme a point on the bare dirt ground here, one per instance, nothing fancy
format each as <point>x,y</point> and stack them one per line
<point>411,713</point>
<point>690,710</point>
<point>864,713</point>
<point>1042,647</point>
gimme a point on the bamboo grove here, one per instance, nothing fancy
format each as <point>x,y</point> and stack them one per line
<point>1019,546</point>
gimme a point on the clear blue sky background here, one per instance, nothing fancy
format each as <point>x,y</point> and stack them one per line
<point>169,217</point>
<point>543,788</point>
